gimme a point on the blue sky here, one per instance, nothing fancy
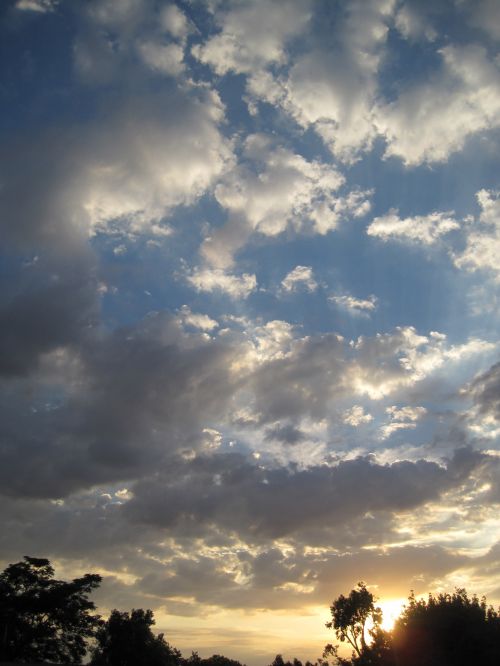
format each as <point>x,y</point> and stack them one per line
<point>249,305</point>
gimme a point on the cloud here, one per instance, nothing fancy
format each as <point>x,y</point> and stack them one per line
<point>167,59</point>
<point>253,36</point>
<point>401,418</point>
<point>110,175</point>
<point>356,416</point>
<point>486,392</point>
<point>56,313</point>
<point>39,6</point>
<point>424,229</point>
<point>355,305</point>
<point>483,237</point>
<point>413,23</point>
<point>105,407</point>
<point>480,235</point>
<point>287,434</point>
<point>301,277</point>
<point>278,190</point>
<point>483,14</point>
<point>175,22</point>
<point>273,503</point>
<point>388,363</point>
<point>197,320</point>
<point>113,407</point>
<point>332,85</point>
<point>216,279</point>
<point>430,121</point>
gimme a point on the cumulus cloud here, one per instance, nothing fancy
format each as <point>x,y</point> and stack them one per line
<point>355,305</point>
<point>175,22</point>
<point>483,14</point>
<point>163,58</point>
<point>486,392</point>
<point>257,502</point>
<point>483,237</point>
<point>86,179</point>
<point>424,229</point>
<point>431,120</point>
<point>301,277</point>
<point>333,88</point>
<point>39,6</point>
<point>113,407</point>
<point>413,22</point>
<point>253,36</point>
<point>408,358</point>
<point>356,416</point>
<point>216,279</point>
<point>401,418</point>
<point>480,235</point>
<point>196,319</point>
<point>282,190</point>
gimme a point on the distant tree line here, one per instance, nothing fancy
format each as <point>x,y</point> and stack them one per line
<point>44,619</point>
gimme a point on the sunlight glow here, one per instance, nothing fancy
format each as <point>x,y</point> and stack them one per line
<point>391,609</point>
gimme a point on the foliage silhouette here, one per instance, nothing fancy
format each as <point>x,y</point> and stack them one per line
<point>350,616</point>
<point>444,630</point>
<point>43,619</point>
<point>214,660</point>
<point>447,630</point>
<point>126,639</point>
<point>278,661</point>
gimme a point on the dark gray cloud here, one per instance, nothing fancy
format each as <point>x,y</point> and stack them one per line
<point>256,503</point>
<point>486,392</point>
<point>54,311</point>
<point>286,433</point>
<point>139,395</point>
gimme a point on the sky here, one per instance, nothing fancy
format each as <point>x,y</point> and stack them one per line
<point>249,306</point>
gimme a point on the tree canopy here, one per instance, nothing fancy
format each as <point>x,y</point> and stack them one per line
<point>350,616</point>
<point>447,629</point>
<point>44,619</point>
<point>126,639</point>
<point>444,630</point>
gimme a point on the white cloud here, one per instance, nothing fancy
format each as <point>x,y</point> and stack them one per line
<point>301,277</point>
<point>409,358</point>
<point>333,90</point>
<point>280,190</point>
<point>431,120</point>
<point>167,59</point>
<point>355,305</point>
<point>356,416</point>
<point>40,6</point>
<point>413,23</point>
<point>401,418</point>
<point>174,21</point>
<point>196,319</point>
<point>425,229</point>
<point>482,250</point>
<point>215,279</point>
<point>172,155</point>
<point>481,235</point>
<point>253,35</point>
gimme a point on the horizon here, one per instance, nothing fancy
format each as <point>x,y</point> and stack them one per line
<point>249,314</point>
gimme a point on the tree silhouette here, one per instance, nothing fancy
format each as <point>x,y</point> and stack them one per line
<point>447,630</point>
<point>126,639</point>
<point>350,616</point>
<point>43,619</point>
<point>214,660</point>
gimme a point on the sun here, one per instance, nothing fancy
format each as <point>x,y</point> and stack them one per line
<point>391,610</point>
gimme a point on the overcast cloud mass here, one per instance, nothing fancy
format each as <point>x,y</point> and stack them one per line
<point>249,306</point>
